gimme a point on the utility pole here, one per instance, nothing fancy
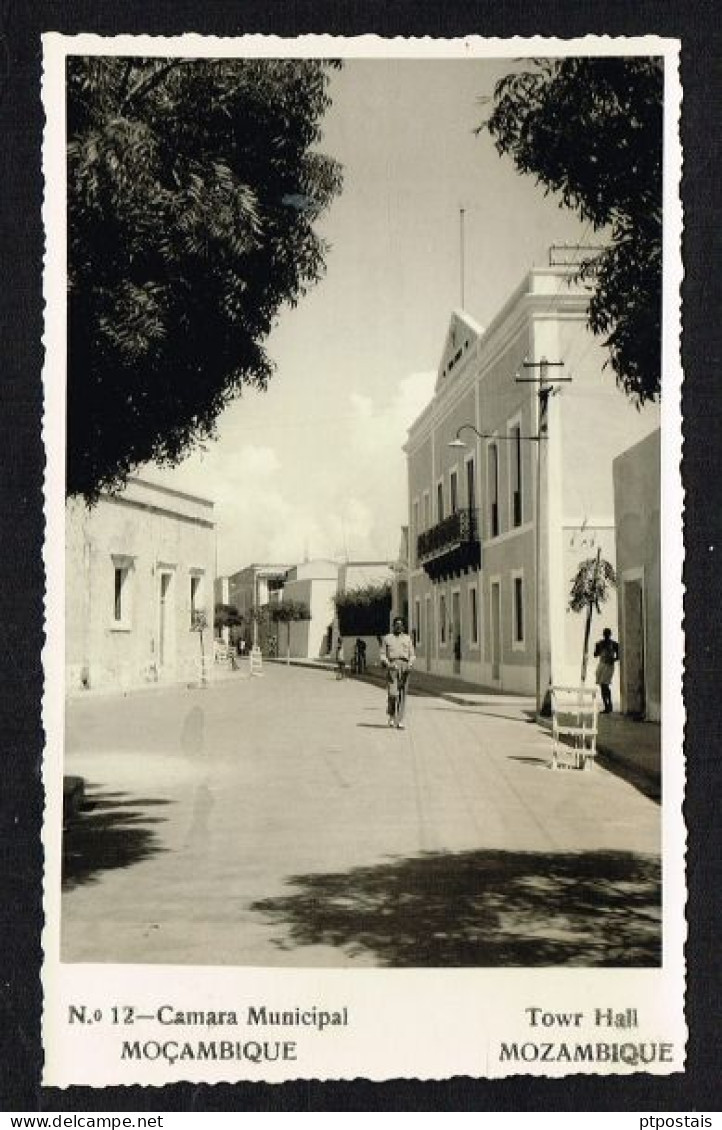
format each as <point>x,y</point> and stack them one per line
<point>547,388</point>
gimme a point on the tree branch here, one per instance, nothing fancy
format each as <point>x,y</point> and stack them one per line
<point>144,85</point>
<point>124,81</point>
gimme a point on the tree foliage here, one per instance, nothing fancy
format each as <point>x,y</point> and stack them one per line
<point>286,611</point>
<point>193,189</point>
<point>226,616</point>
<point>590,129</point>
<point>364,611</point>
<point>591,584</point>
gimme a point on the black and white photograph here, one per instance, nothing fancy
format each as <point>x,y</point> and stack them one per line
<point>363,672</point>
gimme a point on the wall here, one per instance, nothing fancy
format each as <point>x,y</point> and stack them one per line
<point>589,422</point>
<point>485,394</point>
<point>150,532</point>
<point>358,574</point>
<point>638,533</point>
<point>316,589</point>
<point>595,420</point>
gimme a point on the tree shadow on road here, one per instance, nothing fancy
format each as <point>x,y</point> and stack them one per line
<point>481,908</point>
<point>111,831</point>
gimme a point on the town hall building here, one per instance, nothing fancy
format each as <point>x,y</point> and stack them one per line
<point>511,487</point>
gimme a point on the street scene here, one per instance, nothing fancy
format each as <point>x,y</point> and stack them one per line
<point>279,821</point>
<point>363,586</point>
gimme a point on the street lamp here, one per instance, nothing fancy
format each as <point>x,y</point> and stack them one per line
<point>457,442</point>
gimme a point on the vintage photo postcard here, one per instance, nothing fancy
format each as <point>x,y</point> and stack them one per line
<point>364,602</point>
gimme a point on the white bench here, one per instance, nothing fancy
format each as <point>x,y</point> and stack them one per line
<point>575,711</point>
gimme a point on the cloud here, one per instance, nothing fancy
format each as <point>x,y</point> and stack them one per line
<point>346,496</point>
<point>361,406</point>
<point>385,426</point>
<point>377,433</point>
<point>322,490</point>
<point>259,462</point>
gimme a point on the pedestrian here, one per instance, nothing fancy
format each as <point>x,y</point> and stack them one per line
<point>360,653</point>
<point>398,657</point>
<point>340,661</point>
<point>606,650</point>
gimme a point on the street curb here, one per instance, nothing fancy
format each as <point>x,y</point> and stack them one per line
<point>629,763</point>
<point>614,755</point>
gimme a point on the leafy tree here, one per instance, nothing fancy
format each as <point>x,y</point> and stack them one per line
<point>199,623</point>
<point>364,611</point>
<point>591,586</point>
<point>591,130</point>
<point>257,616</point>
<point>286,612</point>
<point>193,189</point>
<point>226,616</point>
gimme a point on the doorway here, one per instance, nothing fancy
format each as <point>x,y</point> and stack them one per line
<point>428,630</point>
<point>164,625</point>
<point>495,631</point>
<point>633,658</point>
<point>456,629</point>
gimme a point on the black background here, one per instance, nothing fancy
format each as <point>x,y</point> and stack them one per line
<point>21,530</point>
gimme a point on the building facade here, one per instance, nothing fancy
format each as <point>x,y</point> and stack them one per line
<point>140,570</point>
<point>251,587</point>
<point>358,575</point>
<point>312,583</point>
<point>500,520</point>
<point>637,518</point>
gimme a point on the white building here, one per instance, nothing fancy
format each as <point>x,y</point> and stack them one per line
<point>637,517</point>
<point>498,526</point>
<point>312,583</point>
<point>140,569</point>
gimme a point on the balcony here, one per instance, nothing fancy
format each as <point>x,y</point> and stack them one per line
<point>452,547</point>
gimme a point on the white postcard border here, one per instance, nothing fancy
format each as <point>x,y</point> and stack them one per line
<point>419,1023</point>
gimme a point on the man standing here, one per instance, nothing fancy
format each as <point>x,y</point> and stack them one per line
<point>606,651</point>
<point>398,657</point>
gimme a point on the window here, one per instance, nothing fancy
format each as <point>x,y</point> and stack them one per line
<point>442,619</point>
<point>518,626</point>
<point>427,510</point>
<point>515,470</point>
<point>121,593</point>
<point>417,620</point>
<point>121,576</point>
<point>493,490</point>
<point>415,531</point>
<point>440,502</point>
<point>473,616</point>
<point>196,596</point>
<point>454,492</point>
<point>470,484</point>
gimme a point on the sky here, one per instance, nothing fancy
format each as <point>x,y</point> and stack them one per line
<point>314,466</point>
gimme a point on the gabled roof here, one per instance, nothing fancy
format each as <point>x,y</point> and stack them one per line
<point>462,335</point>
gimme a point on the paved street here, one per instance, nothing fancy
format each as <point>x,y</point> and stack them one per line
<point>278,821</point>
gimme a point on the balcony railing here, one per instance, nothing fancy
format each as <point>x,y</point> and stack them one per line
<point>452,545</point>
